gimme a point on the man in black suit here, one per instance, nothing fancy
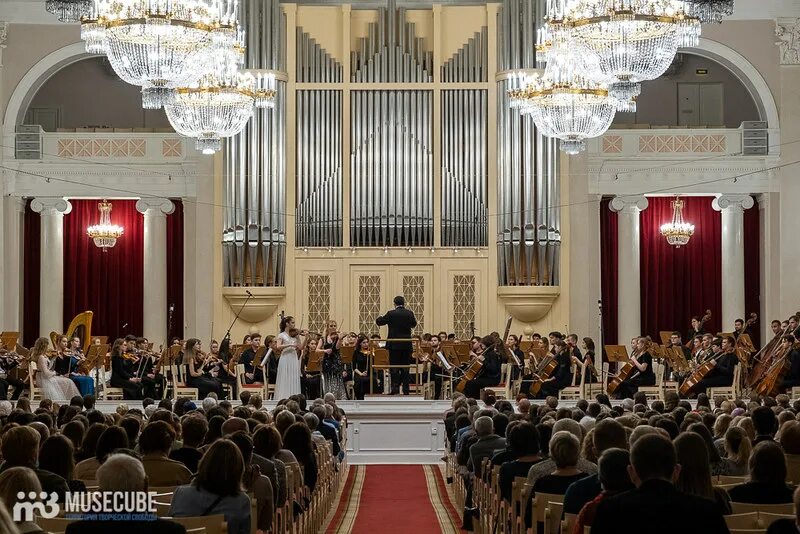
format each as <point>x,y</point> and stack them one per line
<point>656,506</point>
<point>400,322</point>
<point>252,368</point>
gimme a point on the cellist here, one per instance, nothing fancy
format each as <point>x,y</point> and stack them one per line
<point>562,376</point>
<point>792,378</point>
<point>725,361</point>
<point>490,372</point>
<point>643,374</point>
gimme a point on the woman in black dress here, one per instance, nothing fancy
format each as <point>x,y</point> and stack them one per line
<point>562,376</point>
<point>194,372</point>
<point>332,368</point>
<point>362,369</point>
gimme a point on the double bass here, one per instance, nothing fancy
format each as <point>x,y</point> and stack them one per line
<point>703,320</point>
<point>770,385</point>
<point>762,361</point>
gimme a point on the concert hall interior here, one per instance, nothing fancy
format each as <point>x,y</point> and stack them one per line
<point>415,229</point>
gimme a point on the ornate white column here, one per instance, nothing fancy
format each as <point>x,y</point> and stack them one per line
<point>628,284</point>
<point>155,211</point>
<point>732,208</point>
<point>51,272</point>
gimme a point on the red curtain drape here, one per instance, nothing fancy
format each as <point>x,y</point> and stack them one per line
<point>30,286</point>
<point>677,283</point>
<point>752,271</point>
<point>608,271</point>
<point>111,284</point>
<point>175,268</point>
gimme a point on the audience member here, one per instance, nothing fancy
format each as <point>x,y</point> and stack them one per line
<point>612,474</point>
<point>767,484</point>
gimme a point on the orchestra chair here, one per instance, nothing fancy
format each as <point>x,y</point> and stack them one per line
<point>109,393</point>
<point>794,393</point>
<point>574,392</point>
<point>34,392</point>
<point>214,524</point>
<point>592,389</point>
<point>257,388</point>
<point>503,389</point>
<point>743,508</point>
<point>555,511</point>
<point>729,392</point>
<point>655,392</point>
<point>742,521</point>
<point>179,387</point>
<point>542,510</point>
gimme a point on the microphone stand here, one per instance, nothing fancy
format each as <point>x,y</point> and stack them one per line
<point>249,296</point>
<point>169,323</point>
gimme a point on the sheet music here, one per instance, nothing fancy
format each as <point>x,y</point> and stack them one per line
<point>445,364</point>
<point>266,358</point>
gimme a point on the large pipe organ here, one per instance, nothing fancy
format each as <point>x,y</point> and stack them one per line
<point>392,164</point>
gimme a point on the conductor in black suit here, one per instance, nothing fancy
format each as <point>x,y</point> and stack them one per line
<point>400,322</point>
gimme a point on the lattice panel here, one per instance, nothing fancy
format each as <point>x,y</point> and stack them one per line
<point>369,303</point>
<point>463,305</point>
<point>319,301</point>
<point>414,293</point>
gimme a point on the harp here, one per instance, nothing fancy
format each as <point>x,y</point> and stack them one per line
<point>80,326</point>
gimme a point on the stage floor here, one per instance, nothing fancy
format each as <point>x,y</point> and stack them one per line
<point>382,429</point>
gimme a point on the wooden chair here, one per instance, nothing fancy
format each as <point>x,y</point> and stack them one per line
<point>748,520</point>
<point>503,389</point>
<point>743,508</point>
<point>765,519</point>
<point>592,389</point>
<point>655,392</point>
<point>574,392</point>
<point>792,468</point>
<point>34,392</point>
<point>794,393</point>
<point>728,479</point>
<point>179,387</point>
<point>555,511</point>
<point>257,388</point>
<point>542,510</point>
<point>729,392</point>
<point>109,393</point>
<point>568,522</point>
<point>214,524</point>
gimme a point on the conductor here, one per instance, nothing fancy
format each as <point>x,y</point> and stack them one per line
<point>400,322</point>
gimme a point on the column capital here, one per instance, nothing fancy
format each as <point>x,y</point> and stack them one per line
<point>788,32</point>
<point>49,205</point>
<point>156,206</point>
<point>733,202</point>
<point>630,203</point>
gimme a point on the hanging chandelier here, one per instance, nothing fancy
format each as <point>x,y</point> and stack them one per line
<point>104,234</point>
<point>570,101</point>
<point>678,232</point>
<point>68,10</point>
<point>710,11</point>
<point>634,40</point>
<point>160,45</point>
<point>219,106</point>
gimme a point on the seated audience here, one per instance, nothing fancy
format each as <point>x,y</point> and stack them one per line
<point>20,448</point>
<point>695,475</point>
<point>111,439</point>
<point>564,451</point>
<point>655,501</point>
<point>193,432</point>
<point>488,442</point>
<point>155,444</point>
<point>786,525</point>
<point>297,439</point>
<point>767,484</point>
<point>57,456</point>
<point>612,473</point>
<point>737,451</point>
<point>217,489</point>
<point>17,480</point>
<point>523,444</point>
<point>123,473</point>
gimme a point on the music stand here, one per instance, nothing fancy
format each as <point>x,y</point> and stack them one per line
<point>674,355</point>
<point>462,351</point>
<point>94,357</point>
<point>380,361</point>
<point>617,354</point>
<point>347,353</point>
<point>314,363</point>
<point>9,340</point>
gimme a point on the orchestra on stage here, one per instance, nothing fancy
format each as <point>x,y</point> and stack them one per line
<point>351,365</point>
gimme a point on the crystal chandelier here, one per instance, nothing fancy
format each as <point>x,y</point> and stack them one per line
<point>635,40</point>
<point>160,45</point>
<point>709,11</point>
<point>568,102</point>
<point>68,10</point>
<point>219,106</point>
<point>104,234</point>
<point>678,232</point>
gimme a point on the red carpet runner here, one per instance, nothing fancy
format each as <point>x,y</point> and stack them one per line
<point>395,498</point>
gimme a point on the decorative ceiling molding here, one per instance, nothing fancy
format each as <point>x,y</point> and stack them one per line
<point>788,32</point>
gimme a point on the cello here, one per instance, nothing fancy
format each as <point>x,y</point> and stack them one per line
<point>700,373</point>
<point>624,373</point>
<point>763,359</point>
<point>770,385</point>
<point>703,320</point>
<point>543,371</point>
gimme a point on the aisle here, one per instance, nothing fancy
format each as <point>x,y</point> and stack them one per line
<point>395,498</point>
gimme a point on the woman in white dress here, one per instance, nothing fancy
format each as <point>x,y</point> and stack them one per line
<point>288,347</point>
<point>52,385</point>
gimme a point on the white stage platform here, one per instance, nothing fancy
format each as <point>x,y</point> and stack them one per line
<point>383,429</point>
